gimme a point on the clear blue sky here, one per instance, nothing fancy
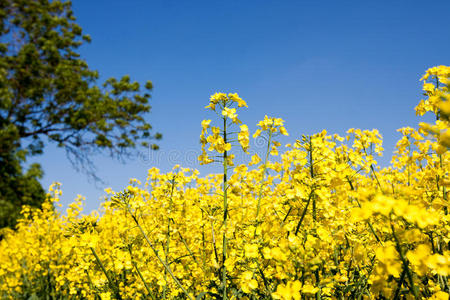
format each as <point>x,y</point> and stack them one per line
<point>317,64</point>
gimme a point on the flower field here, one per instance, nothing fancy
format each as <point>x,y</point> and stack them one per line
<point>316,219</point>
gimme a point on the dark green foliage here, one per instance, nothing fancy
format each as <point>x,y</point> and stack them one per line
<point>17,188</point>
<point>48,93</point>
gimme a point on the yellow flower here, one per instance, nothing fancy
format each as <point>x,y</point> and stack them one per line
<point>255,160</point>
<point>251,250</point>
<point>440,296</point>
<point>243,137</point>
<point>289,291</point>
<point>309,289</point>
<point>248,283</point>
<point>205,124</point>
<point>235,97</point>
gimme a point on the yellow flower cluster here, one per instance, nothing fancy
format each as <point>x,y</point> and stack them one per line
<point>320,220</point>
<point>436,86</point>
<point>217,140</point>
<point>272,125</point>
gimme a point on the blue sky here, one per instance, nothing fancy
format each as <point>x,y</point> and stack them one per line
<point>317,64</point>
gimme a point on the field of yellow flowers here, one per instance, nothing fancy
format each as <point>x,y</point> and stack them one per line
<point>317,219</point>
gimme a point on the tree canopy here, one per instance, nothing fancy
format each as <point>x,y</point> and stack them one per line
<point>49,93</point>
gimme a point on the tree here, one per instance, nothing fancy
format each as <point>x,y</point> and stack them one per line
<point>48,93</point>
<point>18,189</point>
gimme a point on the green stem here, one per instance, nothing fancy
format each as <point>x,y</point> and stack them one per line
<point>444,190</point>
<point>110,281</point>
<point>286,216</point>
<point>399,285</point>
<point>166,266</point>
<point>408,166</point>
<point>368,222</point>
<point>376,178</point>
<point>143,280</point>
<point>166,252</point>
<point>203,244</point>
<point>190,252</point>
<point>412,287</point>
<point>311,171</point>
<point>263,174</point>
<point>304,213</point>
<point>91,285</point>
<point>214,242</point>
<point>225,212</point>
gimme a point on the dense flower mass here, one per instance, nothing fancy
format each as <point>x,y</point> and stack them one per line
<point>318,220</point>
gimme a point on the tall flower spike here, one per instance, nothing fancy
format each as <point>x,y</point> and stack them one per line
<point>222,104</point>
